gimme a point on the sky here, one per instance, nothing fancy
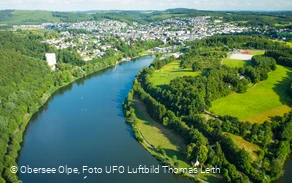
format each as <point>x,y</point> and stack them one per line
<point>81,5</point>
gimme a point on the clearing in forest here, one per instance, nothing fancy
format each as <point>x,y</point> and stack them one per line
<point>251,148</point>
<point>261,102</point>
<point>163,76</point>
<point>236,63</point>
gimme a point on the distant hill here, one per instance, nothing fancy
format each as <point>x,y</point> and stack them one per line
<point>180,10</point>
<point>17,17</point>
<point>251,18</point>
<point>26,17</point>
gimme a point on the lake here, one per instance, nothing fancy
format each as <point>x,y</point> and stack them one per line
<point>82,124</point>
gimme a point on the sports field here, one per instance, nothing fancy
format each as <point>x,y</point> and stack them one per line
<point>169,72</point>
<point>240,56</point>
<point>262,101</point>
<point>236,63</point>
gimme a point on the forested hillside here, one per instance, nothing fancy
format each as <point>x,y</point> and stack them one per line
<point>27,82</point>
<point>18,17</point>
<point>24,78</point>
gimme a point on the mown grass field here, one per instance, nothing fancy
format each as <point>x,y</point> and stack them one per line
<point>169,72</point>
<point>236,63</point>
<point>251,148</point>
<point>257,52</point>
<point>262,101</point>
<point>157,135</point>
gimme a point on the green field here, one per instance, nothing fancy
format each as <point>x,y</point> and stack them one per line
<point>169,72</point>
<point>262,101</point>
<point>257,52</point>
<point>283,25</point>
<point>289,44</point>
<point>157,135</point>
<point>236,63</point>
<point>251,148</point>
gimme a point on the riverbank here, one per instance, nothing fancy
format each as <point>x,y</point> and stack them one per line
<point>19,131</point>
<point>162,143</point>
<point>61,133</point>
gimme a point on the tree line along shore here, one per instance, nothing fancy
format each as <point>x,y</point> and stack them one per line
<point>27,82</point>
<point>246,151</point>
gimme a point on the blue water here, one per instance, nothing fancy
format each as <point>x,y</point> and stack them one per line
<point>83,125</point>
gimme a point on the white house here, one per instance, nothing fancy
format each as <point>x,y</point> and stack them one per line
<point>51,59</point>
<point>157,49</point>
<point>197,163</point>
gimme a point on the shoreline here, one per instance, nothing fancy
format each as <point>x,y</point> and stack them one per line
<point>149,147</point>
<point>27,117</point>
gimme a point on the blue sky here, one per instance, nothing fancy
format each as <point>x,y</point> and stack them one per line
<point>79,5</point>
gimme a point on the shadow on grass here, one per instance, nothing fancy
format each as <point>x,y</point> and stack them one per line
<point>168,133</point>
<point>173,138</point>
<point>163,86</point>
<point>180,156</point>
<point>282,87</point>
<point>276,118</point>
<point>248,63</point>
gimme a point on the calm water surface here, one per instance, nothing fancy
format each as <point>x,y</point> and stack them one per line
<point>287,177</point>
<point>83,125</point>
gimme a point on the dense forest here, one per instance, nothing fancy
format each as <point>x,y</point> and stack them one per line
<point>179,106</point>
<point>27,82</point>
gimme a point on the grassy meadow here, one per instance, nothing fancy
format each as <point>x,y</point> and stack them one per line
<point>157,135</point>
<point>169,72</point>
<point>262,101</point>
<point>251,148</point>
<point>257,52</point>
<point>283,25</point>
<point>236,63</point>
<point>289,44</point>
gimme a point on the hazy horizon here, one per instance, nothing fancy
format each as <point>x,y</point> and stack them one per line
<point>143,10</point>
<point>150,5</point>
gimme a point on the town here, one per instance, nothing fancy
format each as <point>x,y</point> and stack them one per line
<point>176,31</point>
